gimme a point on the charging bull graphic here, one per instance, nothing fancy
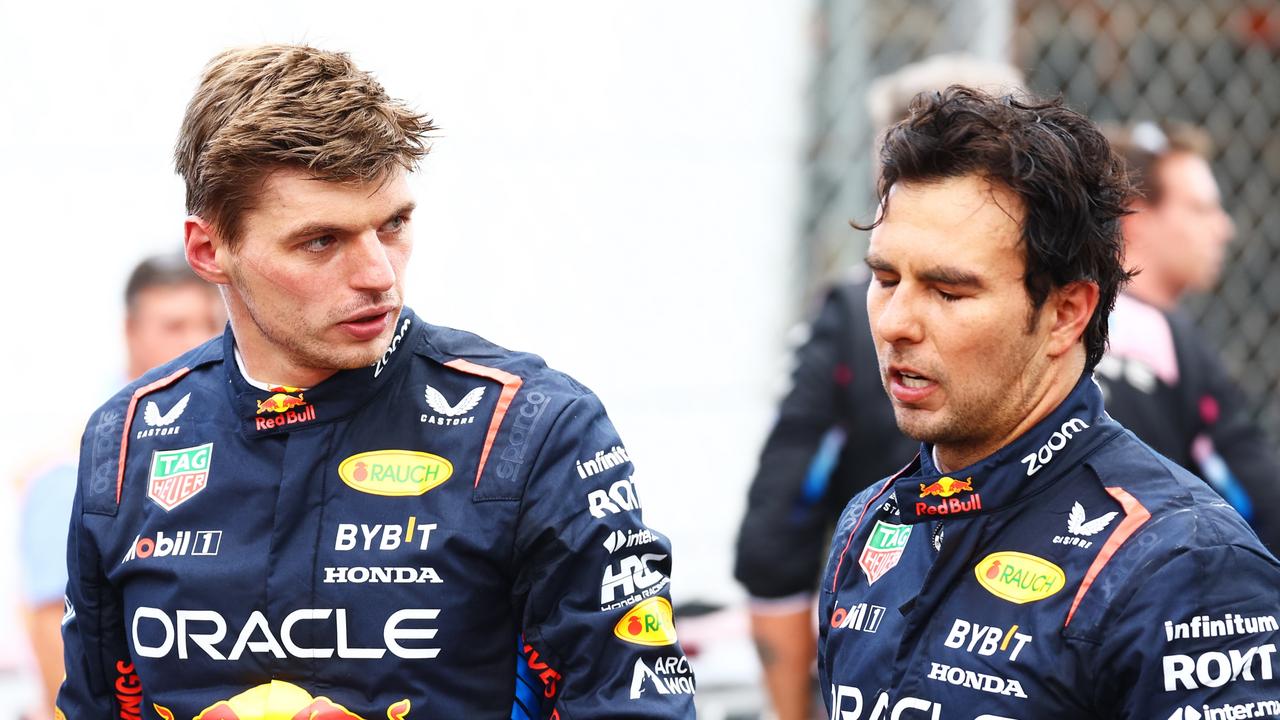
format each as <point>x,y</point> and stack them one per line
<point>946,487</point>
<point>280,700</point>
<point>280,402</point>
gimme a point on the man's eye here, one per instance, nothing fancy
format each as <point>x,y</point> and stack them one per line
<point>319,244</point>
<point>886,282</point>
<point>395,224</point>
<point>948,296</point>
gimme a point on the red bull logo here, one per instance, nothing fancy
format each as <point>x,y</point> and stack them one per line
<point>945,487</point>
<point>288,406</point>
<point>280,402</point>
<point>279,700</point>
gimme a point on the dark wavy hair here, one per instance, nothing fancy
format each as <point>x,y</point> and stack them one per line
<point>1073,187</point>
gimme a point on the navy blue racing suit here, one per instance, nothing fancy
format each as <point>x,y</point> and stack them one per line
<point>1074,573</point>
<point>453,532</point>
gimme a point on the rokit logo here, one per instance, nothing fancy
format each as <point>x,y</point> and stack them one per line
<point>446,414</point>
<point>620,539</point>
<point>668,676</point>
<point>1080,527</point>
<point>619,498</point>
<point>1056,442</point>
<point>182,542</point>
<point>159,424</point>
<point>1215,669</point>
<point>353,536</point>
<point>986,640</point>
<point>158,635</point>
<point>633,578</point>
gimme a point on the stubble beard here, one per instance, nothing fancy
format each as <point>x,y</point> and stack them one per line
<point>301,341</point>
<point>976,418</point>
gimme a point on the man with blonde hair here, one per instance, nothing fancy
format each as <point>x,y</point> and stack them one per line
<point>337,510</point>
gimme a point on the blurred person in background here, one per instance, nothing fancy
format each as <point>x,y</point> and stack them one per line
<point>168,310</point>
<point>359,514</point>
<point>1163,380</point>
<point>834,435</point>
<point>1035,559</point>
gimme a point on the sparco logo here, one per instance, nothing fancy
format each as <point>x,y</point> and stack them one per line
<point>512,455</point>
<point>157,635</point>
<point>1057,441</point>
<point>183,542</point>
<point>1215,669</point>
<point>395,343</point>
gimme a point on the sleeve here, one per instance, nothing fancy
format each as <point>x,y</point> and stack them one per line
<point>100,680</point>
<point>1239,452</point>
<point>1197,639</point>
<point>593,582</point>
<point>780,541</point>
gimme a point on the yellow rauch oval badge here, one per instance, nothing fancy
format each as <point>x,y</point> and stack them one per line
<point>1019,577</point>
<point>648,623</point>
<point>394,472</point>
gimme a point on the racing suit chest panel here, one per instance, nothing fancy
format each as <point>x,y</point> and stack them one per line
<point>982,626</point>
<point>281,565</point>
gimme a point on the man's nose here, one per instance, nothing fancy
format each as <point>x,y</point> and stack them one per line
<point>898,317</point>
<point>371,267</point>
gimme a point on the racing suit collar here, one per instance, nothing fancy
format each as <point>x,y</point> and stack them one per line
<point>1014,472</point>
<point>284,409</point>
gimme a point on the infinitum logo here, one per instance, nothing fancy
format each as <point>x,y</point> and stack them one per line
<point>602,461</point>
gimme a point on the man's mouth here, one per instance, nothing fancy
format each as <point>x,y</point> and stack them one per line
<point>909,386</point>
<point>368,324</point>
<point>914,381</point>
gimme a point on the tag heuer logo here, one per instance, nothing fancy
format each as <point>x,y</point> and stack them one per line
<point>883,549</point>
<point>177,475</point>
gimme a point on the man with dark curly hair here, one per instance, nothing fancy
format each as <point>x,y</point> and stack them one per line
<point>1036,560</point>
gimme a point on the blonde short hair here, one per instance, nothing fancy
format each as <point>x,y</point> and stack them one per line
<point>263,108</point>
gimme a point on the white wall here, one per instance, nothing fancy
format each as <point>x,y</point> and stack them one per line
<point>615,186</point>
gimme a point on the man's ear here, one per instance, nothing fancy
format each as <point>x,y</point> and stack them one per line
<point>203,246</point>
<point>1070,308</point>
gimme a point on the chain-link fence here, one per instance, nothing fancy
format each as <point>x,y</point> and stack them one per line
<point>1213,63</point>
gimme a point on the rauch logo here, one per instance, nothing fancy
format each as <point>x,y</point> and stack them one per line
<point>1019,577</point>
<point>394,472</point>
